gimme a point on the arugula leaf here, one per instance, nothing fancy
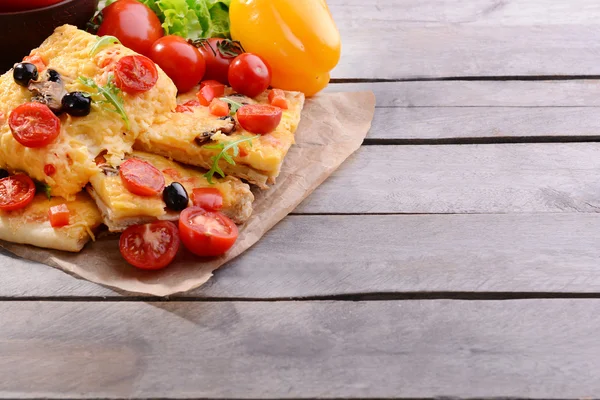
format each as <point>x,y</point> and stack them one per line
<point>111,95</point>
<point>234,106</point>
<point>102,42</point>
<point>224,155</point>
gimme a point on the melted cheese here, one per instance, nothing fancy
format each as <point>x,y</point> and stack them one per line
<point>31,225</point>
<point>81,138</point>
<point>124,204</point>
<point>175,138</point>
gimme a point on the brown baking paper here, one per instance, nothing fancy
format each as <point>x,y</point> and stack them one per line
<point>333,127</point>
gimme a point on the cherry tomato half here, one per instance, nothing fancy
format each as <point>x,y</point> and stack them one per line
<point>16,192</point>
<point>217,64</point>
<point>206,233</point>
<point>150,246</point>
<point>133,23</point>
<point>135,74</point>
<point>259,118</point>
<point>34,125</point>
<point>141,177</point>
<point>249,75</point>
<point>210,199</point>
<point>181,61</point>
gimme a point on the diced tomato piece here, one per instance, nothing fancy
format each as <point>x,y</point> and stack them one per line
<point>36,60</point>
<point>277,99</point>
<point>219,108</point>
<point>49,169</point>
<point>59,215</point>
<point>188,106</point>
<point>219,87</point>
<point>208,93</point>
<point>210,199</point>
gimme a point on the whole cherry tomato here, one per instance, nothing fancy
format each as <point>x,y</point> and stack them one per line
<point>181,61</point>
<point>249,75</point>
<point>133,23</point>
<point>218,54</point>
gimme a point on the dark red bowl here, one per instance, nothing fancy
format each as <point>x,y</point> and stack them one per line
<point>22,31</point>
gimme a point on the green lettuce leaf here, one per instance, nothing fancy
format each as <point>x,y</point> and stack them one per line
<point>193,19</point>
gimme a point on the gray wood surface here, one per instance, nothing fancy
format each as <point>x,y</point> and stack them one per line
<point>424,349</point>
<point>399,39</point>
<point>475,253</point>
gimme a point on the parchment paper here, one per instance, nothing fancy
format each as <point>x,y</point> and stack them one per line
<point>333,127</point>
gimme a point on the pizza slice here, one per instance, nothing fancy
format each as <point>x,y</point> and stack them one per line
<point>33,224</point>
<point>70,100</point>
<point>121,208</point>
<point>193,135</point>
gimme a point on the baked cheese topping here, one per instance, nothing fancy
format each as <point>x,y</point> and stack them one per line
<point>124,204</point>
<point>265,154</point>
<point>84,216</point>
<point>81,139</point>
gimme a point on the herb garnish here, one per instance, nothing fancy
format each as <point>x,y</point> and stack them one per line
<point>111,95</point>
<point>224,155</point>
<point>234,106</point>
<point>102,42</point>
<point>43,187</point>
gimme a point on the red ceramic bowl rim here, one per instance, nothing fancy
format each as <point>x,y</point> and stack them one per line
<point>34,10</point>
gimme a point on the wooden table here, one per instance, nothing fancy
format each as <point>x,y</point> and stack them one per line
<point>468,263</point>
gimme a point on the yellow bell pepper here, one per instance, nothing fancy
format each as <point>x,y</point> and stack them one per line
<point>298,39</point>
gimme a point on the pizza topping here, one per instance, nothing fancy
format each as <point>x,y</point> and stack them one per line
<point>110,94</point>
<point>135,74</point>
<point>208,92</point>
<point>141,177</point>
<point>188,106</point>
<point>175,197</point>
<point>210,199</point>
<point>277,99</point>
<point>59,215</point>
<point>36,60</point>
<point>150,246</point>
<point>206,233</point>
<point>223,154</point>
<point>34,125</point>
<point>226,129</point>
<point>77,104</point>
<point>249,74</point>
<point>219,108</point>
<point>259,118</point>
<point>49,169</point>
<point>49,91</point>
<point>23,73</point>
<point>16,192</point>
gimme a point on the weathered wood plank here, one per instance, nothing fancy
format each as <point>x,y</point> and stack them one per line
<point>382,254</point>
<point>435,38</point>
<point>572,93</point>
<point>463,179</point>
<point>484,123</point>
<point>409,349</point>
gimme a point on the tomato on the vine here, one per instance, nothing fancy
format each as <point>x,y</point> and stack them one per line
<point>133,23</point>
<point>249,75</point>
<point>181,61</point>
<point>218,54</point>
